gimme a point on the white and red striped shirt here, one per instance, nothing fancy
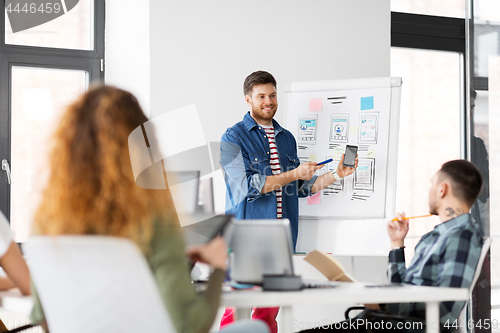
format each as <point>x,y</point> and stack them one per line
<point>275,167</point>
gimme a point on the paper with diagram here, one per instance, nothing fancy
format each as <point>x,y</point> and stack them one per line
<point>368,124</point>
<point>339,127</point>
<point>307,129</point>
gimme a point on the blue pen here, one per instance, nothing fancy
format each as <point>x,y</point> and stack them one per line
<point>326,161</point>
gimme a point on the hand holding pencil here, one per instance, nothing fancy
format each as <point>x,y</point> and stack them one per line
<point>397,230</point>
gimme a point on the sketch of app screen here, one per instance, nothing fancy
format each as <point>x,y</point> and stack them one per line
<point>171,150</point>
<point>339,128</point>
<point>368,127</point>
<point>307,129</point>
<point>338,186</point>
<point>364,176</point>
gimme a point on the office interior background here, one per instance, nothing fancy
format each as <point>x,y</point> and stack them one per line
<point>172,54</point>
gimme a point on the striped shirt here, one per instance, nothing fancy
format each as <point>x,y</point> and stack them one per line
<point>444,257</point>
<point>275,167</point>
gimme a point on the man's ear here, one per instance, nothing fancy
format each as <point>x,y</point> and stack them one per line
<point>444,189</point>
<point>248,99</point>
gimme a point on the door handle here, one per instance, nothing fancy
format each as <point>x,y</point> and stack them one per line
<point>6,168</point>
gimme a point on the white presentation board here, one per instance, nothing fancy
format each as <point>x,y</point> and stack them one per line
<point>324,117</point>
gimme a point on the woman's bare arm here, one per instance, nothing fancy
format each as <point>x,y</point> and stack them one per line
<point>14,265</point>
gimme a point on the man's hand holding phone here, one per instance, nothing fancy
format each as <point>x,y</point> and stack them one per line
<point>344,171</point>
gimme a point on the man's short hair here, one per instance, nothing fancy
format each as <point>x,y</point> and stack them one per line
<point>257,78</point>
<point>466,180</point>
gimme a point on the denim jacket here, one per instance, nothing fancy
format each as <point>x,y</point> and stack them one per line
<point>245,159</point>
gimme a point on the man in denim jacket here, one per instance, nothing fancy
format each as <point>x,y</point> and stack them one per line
<point>263,174</point>
<point>246,158</point>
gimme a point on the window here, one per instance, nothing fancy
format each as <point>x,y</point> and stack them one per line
<point>485,131</point>
<point>429,132</point>
<point>435,56</point>
<point>38,97</point>
<point>42,69</point>
<point>494,149</point>
<point>427,52</point>
<point>450,8</point>
<point>72,30</point>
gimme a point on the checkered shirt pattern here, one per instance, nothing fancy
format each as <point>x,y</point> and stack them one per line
<point>444,257</point>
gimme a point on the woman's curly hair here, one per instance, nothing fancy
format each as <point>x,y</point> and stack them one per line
<point>91,187</point>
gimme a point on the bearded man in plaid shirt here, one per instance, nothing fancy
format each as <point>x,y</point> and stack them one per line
<point>444,257</point>
<point>448,255</point>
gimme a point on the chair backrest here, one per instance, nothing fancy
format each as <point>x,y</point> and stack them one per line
<point>482,256</point>
<point>95,284</point>
<point>468,305</point>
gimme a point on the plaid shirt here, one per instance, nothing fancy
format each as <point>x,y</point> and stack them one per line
<point>444,257</point>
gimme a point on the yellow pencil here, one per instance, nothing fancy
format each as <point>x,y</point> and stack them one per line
<point>414,217</point>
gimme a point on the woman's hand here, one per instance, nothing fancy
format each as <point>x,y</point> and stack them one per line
<point>213,253</point>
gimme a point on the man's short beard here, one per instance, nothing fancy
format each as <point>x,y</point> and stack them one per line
<point>433,210</point>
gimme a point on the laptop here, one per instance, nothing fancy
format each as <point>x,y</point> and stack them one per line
<point>264,247</point>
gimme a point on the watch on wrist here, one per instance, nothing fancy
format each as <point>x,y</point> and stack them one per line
<point>336,175</point>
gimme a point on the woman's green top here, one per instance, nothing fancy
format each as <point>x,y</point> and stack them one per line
<point>189,311</point>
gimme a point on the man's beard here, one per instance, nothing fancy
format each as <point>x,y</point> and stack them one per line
<point>260,114</point>
<point>432,209</point>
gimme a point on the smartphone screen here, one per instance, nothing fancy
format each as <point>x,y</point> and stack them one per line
<point>350,155</point>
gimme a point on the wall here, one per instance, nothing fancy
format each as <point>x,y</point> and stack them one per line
<point>127,49</point>
<point>172,54</point>
<point>201,51</point>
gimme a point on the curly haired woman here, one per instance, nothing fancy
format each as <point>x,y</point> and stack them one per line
<point>92,191</point>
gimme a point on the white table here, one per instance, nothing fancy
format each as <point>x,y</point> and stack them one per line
<point>244,300</point>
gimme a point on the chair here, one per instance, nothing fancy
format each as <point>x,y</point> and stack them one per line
<point>95,284</point>
<point>20,328</point>
<point>378,315</point>
<point>468,305</point>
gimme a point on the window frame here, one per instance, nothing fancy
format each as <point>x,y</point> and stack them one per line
<point>427,32</point>
<point>90,61</point>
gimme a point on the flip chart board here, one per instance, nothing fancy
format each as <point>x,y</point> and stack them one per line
<point>324,117</point>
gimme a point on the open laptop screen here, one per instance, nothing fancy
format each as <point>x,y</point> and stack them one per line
<point>260,247</point>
